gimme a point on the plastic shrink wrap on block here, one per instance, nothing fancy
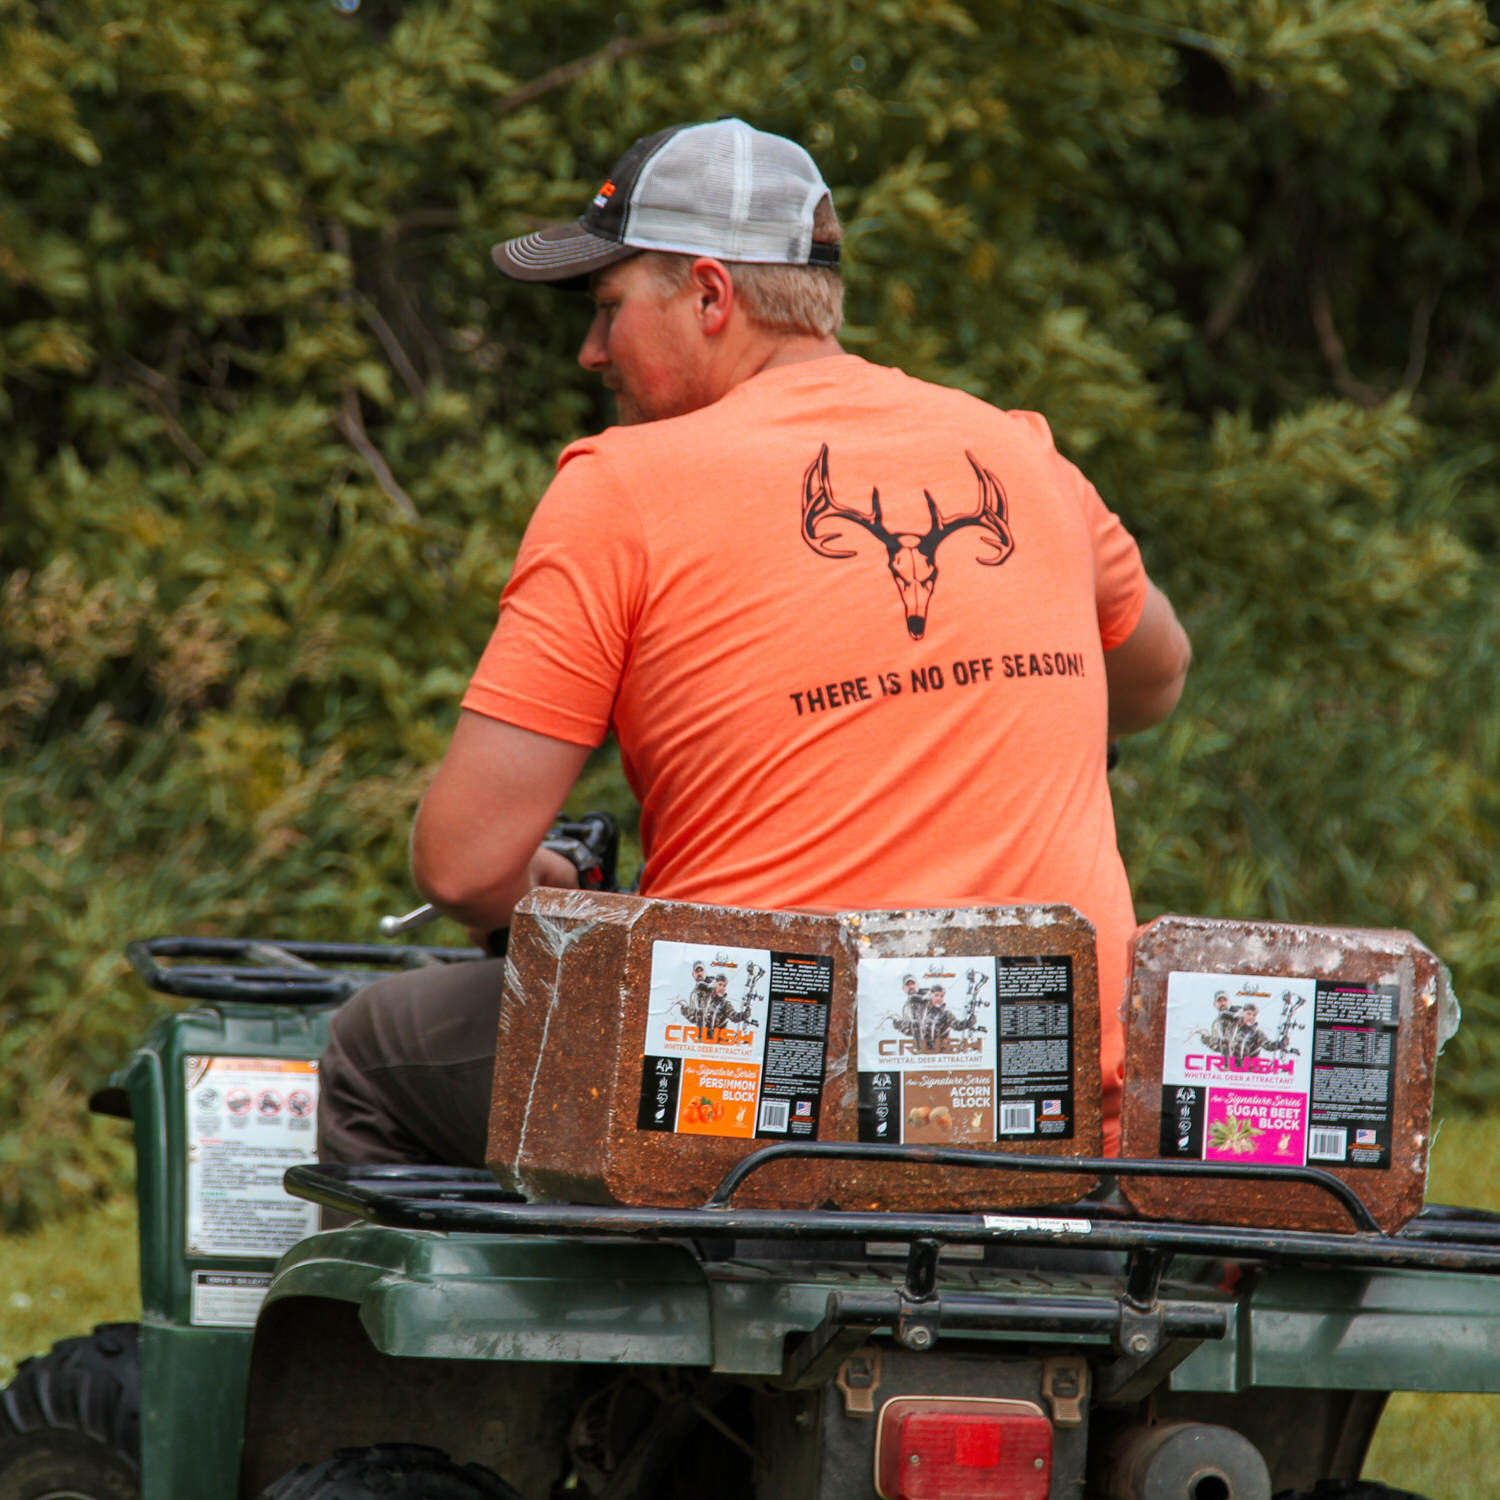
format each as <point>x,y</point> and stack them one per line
<point>647,1046</point>
<point>1273,1044</point>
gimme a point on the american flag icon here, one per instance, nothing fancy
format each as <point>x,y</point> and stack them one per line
<point>1364,1137</point>
<point>804,1107</point>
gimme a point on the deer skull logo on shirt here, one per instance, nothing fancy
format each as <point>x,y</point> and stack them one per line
<point>912,557</point>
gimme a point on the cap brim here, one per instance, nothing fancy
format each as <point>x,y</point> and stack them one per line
<point>563,253</point>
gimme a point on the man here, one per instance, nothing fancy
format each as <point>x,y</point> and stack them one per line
<point>1225,1023</point>
<point>913,1008</point>
<point>804,739</point>
<point>1247,1039</point>
<point>697,1007</point>
<point>938,1020</point>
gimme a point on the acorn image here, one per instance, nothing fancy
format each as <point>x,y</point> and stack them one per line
<point>942,1117</point>
<point>918,1114</point>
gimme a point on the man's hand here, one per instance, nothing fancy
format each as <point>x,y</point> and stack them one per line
<point>1147,670</point>
<point>476,846</point>
<point>547,867</point>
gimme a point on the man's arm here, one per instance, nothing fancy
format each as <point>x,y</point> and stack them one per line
<point>1147,669</point>
<point>476,846</point>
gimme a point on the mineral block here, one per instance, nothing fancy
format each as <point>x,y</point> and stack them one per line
<point>976,1028</point>
<point>1275,1044</point>
<point>646,1046</point>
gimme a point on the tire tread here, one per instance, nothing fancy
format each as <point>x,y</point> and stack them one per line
<point>395,1471</point>
<point>89,1384</point>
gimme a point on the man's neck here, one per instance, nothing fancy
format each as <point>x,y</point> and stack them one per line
<point>770,351</point>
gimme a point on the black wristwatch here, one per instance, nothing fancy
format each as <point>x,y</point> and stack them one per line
<point>583,859</point>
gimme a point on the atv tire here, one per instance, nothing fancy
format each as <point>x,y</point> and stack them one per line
<point>70,1422</point>
<point>390,1471</point>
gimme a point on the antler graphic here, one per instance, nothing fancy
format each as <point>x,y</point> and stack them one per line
<point>912,558</point>
<point>993,515</point>
<point>818,503</point>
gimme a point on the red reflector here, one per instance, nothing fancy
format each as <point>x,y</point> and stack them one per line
<point>976,1442</point>
<point>941,1448</point>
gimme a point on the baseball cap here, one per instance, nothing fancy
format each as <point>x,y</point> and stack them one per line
<point>722,189</point>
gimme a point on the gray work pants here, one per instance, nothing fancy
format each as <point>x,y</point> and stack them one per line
<point>408,1071</point>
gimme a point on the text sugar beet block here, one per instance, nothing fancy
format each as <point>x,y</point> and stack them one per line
<point>1267,1043</point>
<point>646,1046</point>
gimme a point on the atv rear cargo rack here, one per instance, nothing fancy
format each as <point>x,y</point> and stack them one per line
<point>466,1200</point>
<point>277,973</point>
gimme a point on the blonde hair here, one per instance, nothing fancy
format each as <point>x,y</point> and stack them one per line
<point>777,298</point>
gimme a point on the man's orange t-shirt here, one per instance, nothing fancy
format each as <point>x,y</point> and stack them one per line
<point>825,699</point>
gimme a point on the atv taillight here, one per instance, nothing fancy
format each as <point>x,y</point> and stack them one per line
<point>962,1448</point>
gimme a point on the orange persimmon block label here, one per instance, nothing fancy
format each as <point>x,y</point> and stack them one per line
<point>718,1098</point>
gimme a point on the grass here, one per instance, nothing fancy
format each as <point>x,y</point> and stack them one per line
<point>71,1274</point>
<point>1440,1445</point>
<point>66,1276</point>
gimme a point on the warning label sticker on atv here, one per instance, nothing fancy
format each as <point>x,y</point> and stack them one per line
<point>965,1050</point>
<point>248,1120</point>
<point>228,1299</point>
<point>1286,1071</point>
<point>735,1041</point>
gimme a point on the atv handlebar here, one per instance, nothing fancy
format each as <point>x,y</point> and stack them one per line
<point>591,843</point>
<point>418,916</point>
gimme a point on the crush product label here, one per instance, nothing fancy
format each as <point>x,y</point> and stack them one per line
<point>735,1041</point>
<point>248,1120</point>
<point>1286,1071</point>
<point>964,1050</point>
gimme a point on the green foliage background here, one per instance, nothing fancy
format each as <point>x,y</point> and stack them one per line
<point>272,427</point>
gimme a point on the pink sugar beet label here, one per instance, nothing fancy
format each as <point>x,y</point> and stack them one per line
<point>1255,1127</point>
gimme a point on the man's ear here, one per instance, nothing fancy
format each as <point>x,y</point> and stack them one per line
<point>713,293</point>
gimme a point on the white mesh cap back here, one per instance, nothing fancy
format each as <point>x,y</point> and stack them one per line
<point>722,189</point>
<point>727,190</point>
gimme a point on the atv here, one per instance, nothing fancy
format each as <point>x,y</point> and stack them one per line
<point>456,1342</point>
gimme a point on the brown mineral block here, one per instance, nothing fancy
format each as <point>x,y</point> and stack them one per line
<point>646,1046</point>
<point>642,1043</point>
<point>1269,1043</point>
<point>975,1028</point>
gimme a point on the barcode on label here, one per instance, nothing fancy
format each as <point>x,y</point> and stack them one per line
<point>1327,1145</point>
<point>1018,1119</point>
<point>774,1114</point>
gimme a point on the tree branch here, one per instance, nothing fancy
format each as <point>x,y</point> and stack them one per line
<point>1416,354</point>
<point>338,238</point>
<point>1162,31</point>
<point>1227,309</point>
<point>417,218</point>
<point>621,46</point>
<point>351,423</point>
<point>1332,346</point>
<point>392,346</point>
<point>162,394</point>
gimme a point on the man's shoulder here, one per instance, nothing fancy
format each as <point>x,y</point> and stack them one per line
<point>968,406</point>
<point>862,389</point>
